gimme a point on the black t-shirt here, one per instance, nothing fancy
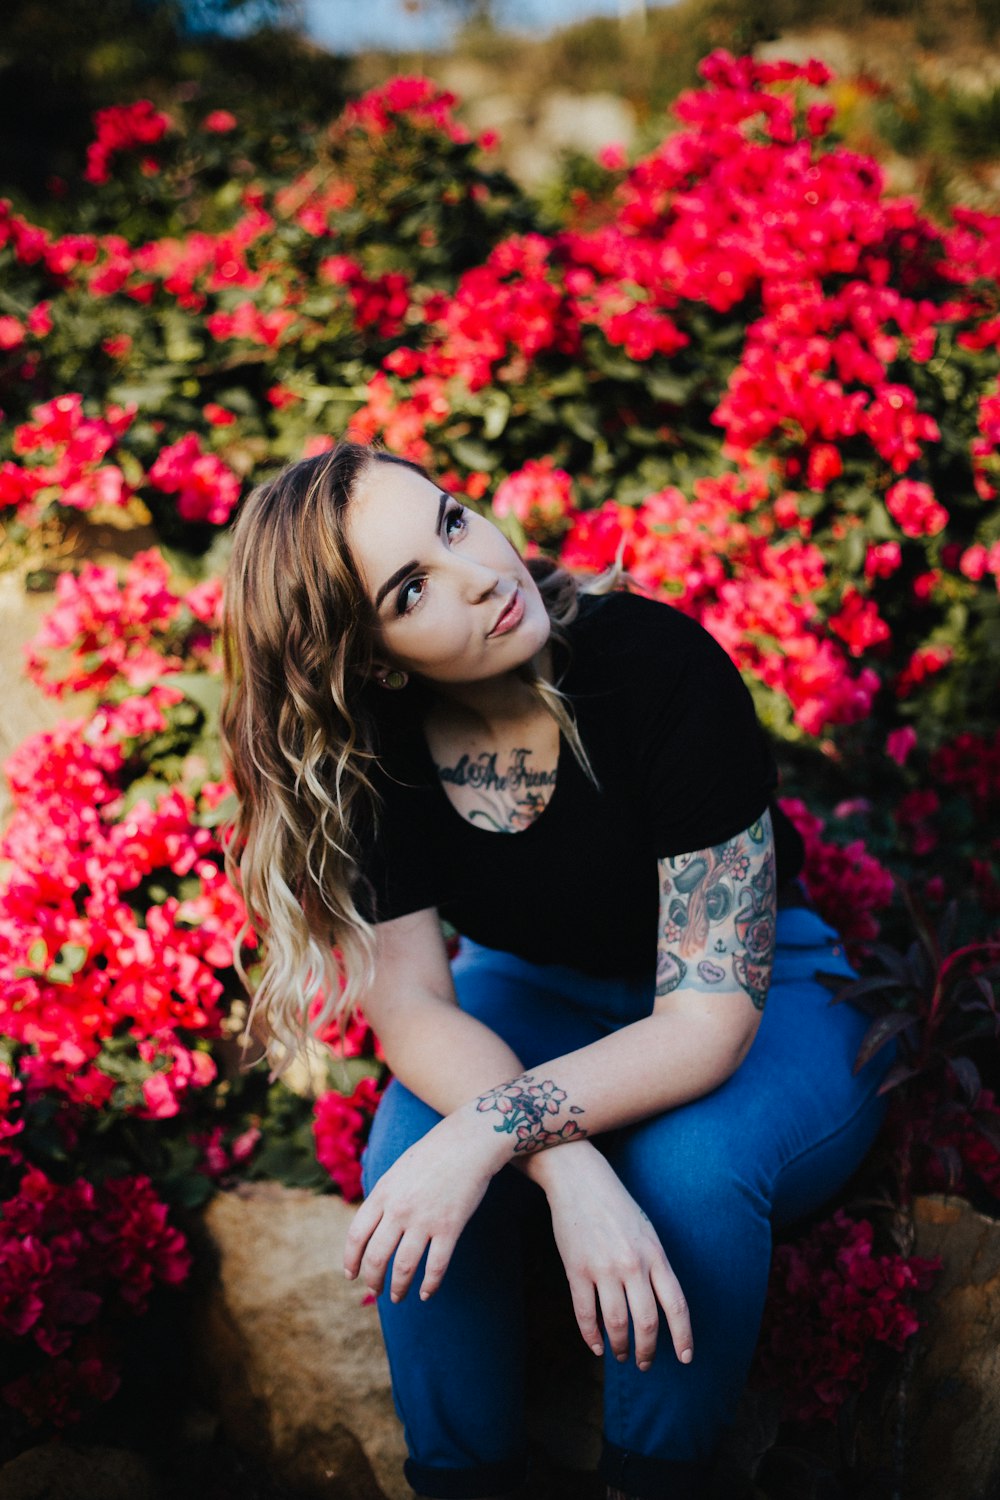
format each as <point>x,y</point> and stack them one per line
<point>671,733</point>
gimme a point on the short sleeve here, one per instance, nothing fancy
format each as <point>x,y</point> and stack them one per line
<point>397,856</point>
<point>704,767</point>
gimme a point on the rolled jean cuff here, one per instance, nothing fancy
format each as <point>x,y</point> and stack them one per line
<point>465,1484</point>
<point>652,1478</point>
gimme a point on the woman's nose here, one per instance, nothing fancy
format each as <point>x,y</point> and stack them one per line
<point>481,579</point>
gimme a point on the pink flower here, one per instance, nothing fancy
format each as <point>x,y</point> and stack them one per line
<point>11,332</point>
<point>340,1125</point>
<point>882,559</point>
<point>613,157</point>
<point>122,127</point>
<point>539,495</point>
<point>831,1301</point>
<point>75,1258</point>
<point>912,504</point>
<point>206,489</point>
<point>219,121</point>
<point>848,884</point>
<point>825,465</point>
<point>900,743</point>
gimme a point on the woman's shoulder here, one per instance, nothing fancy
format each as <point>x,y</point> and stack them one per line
<point>629,629</point>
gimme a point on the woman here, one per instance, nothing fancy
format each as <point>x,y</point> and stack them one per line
<point>421,725</point>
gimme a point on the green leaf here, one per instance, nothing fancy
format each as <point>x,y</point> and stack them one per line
<point>144,789</point>
<point>673,389</point>
<point>854,550</point>
<point>73,956</point>
<point>497,411</point>
<point>580,417</point>
<point>202,688</point>
<point>472,454</point>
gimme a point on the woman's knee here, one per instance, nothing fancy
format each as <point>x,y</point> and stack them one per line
<point>400,1120</point>
<point>681,1171</point>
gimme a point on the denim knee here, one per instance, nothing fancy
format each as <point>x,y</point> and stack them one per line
<point>400,1120</point>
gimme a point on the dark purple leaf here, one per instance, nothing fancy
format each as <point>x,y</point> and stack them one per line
<point>987,990</point>
<point>900,1072</point>
<point>894,962</point>
<point>946,927</point>
<point>920,966</point>
<point>853,989</point>
<point>951,1165</point>
<point>968,1077</point>
<point>879,1032</point>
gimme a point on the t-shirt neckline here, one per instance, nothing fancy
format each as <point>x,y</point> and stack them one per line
<point>425,752</point>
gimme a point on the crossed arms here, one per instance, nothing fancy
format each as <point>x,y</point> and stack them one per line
<point>715,945</point>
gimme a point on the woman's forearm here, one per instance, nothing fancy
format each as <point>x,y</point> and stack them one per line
<point>449,1058</point>
<point>462,1068</point>
<point>650,1066</point>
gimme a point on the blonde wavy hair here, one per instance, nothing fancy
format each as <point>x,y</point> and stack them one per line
<point>299,637</point>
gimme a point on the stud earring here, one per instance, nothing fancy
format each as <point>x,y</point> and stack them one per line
<point>394,680</point>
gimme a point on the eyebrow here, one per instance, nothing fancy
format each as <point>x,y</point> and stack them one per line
<point>401,573</point>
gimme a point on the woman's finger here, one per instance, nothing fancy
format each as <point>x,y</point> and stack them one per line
<point>674,1304</point>
<point>645,1313</point>
<point>378,1254</point>
<point>438,1258</point>
<point>614,1315</point>
<point>409,1253</point>
<point>366,1221</point>
<point>585,1311</point>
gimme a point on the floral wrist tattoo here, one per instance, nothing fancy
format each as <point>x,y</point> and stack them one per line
<point>525,1109</point>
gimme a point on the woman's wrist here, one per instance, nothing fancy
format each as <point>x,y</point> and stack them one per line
<point>530,1113</point>
<point>553,1170</point>
<point>518,1121</point>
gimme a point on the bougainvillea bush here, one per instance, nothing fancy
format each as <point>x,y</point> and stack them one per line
<point>739,365</point>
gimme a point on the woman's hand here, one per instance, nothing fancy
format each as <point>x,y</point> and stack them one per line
<point>423,1202</point>
<point>613,1258</point>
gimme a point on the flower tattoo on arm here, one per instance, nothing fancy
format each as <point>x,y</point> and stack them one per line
<point>717,916</point>
<point>526,1110</point>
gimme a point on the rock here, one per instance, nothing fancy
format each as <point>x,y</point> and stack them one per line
<point>63,1471</point>
<point>953,1408</point>
<point>288,1353</point>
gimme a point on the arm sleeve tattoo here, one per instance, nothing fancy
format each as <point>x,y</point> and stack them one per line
<point>717,916</point>
<point>529,1111</point>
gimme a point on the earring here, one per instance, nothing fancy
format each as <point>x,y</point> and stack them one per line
<point>394,680</point>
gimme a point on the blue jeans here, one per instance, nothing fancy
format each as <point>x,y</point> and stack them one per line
<point>772,1144</point>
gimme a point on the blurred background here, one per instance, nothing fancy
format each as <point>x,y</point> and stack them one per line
<point>557,79</point>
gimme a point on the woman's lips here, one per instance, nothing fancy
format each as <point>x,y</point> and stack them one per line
<point>512,615</point>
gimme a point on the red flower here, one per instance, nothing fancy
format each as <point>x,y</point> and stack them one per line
<point>206,489</point>
<point>121,128</point>
<point>340,1126</point>
<point>220,121</point>
<point>912,504</point>
<point>830,1302</point>
<point>70,1255</point>
<point>539,495</point>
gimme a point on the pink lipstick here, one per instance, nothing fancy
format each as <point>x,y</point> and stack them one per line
<point>512,615</point>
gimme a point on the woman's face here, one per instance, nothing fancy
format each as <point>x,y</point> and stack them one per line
<point>454,601</point>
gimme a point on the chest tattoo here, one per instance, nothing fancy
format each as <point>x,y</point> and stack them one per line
<point>503,800</point>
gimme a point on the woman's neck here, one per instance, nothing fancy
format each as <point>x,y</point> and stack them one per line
<point>493,704</point>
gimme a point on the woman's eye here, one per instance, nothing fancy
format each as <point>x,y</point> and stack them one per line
<point>406,598</point>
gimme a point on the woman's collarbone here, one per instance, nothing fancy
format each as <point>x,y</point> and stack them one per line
<point>500,786</point>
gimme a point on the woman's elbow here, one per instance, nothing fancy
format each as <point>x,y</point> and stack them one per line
<point>744,1040</point>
